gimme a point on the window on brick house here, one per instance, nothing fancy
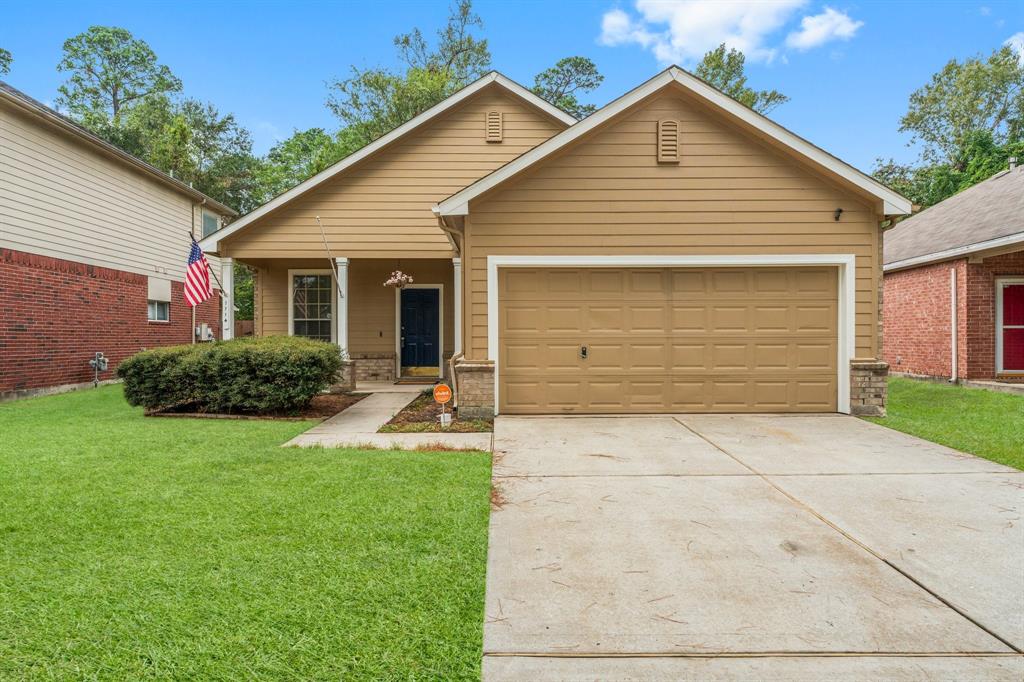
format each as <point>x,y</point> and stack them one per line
<point>158,300</point>
<point>159,311</point>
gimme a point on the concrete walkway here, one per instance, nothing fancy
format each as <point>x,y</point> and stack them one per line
<point>357,427</point>
<point>749,547</point>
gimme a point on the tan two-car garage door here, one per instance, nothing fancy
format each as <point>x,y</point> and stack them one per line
<point>620,340</point>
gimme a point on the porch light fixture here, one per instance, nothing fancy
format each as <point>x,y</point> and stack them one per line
<point>398,280</point>
<point>838,213</point>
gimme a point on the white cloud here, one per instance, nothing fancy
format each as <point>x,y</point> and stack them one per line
<point>1016,41</point>
<point>985,11</point>
<point>822,28</point>
<point>682,31</point>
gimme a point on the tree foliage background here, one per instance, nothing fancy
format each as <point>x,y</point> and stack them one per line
<point>117,87</point>
<point>967,122</point>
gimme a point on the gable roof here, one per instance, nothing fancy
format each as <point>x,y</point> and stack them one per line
<point>210,243</point>
<point>986,216</point>
<point>42,112</point>
<point>894,203</point>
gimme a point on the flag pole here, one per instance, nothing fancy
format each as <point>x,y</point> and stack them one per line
<point>190,234</point>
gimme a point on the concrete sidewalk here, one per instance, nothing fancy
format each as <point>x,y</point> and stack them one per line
<point>749,547</point>
<point>357,427</point>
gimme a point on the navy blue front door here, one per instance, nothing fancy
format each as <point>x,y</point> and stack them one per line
<point>421,310</point>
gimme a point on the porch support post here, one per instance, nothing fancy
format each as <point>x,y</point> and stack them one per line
<point>342,271</point>
<point>227,298</point>
<point>457,295</point>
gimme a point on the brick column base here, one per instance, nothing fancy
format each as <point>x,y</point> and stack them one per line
<point>345,379</point>
<point>374,366</point>
<point>868,387</point>
<point>475,384</point>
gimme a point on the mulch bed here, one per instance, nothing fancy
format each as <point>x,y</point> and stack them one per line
<point>423,416</point>
<point>321,407</point>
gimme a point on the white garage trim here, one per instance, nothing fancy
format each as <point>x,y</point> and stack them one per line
<point>846,263</point>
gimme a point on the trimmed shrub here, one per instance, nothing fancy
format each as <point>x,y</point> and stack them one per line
<point>269,375</point>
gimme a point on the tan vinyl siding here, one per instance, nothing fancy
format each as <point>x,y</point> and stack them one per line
<point>381,207</point>
<point>371,305</point>
<point>730,193</point>
<point>61,198</point>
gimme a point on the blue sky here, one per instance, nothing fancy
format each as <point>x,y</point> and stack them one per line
<point>848,67</point>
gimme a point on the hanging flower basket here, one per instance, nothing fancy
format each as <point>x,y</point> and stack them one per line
<point>398,279</point>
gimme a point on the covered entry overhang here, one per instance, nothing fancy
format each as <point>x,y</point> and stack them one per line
<point>837,332</point>
<point>389,332</point>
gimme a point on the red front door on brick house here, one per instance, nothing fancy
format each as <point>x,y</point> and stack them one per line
<point>1010,325</point>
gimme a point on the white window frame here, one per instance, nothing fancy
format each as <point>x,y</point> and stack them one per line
<point>202,223</point>
<point>291,299</point>
<point>1000,283</point>
<point>157,320</point>
<point>440,326</point>
<point>845,262</point>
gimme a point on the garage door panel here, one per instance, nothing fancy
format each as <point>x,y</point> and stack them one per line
<point>563,319</point>
<point>668,340</point>
<point>689,318</point>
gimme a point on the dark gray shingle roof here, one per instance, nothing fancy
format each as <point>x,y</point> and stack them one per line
<point>989,210</point>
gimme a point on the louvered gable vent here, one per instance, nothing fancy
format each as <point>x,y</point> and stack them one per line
<point>668,141</point>
<point>493,126</point>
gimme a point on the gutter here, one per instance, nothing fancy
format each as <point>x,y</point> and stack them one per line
<point>1009,240</point>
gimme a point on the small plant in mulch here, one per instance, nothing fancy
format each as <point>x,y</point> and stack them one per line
<point>423,415</point>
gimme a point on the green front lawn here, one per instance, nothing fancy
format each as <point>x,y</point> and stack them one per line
<point>984,423</point>
<point>137,548</point>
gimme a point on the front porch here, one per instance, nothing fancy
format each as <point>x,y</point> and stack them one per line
<point>390,334</point>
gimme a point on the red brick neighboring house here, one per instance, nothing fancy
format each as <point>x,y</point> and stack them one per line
<point>93,247</point>
<point>954,286</point>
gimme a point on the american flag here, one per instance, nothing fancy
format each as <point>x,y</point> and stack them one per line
<point>197,277</point>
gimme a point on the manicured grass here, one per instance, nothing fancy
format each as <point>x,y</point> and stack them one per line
<point>984,423</point>
<point>143,548</point>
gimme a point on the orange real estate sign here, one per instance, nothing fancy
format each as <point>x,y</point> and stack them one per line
<point>442,393</point>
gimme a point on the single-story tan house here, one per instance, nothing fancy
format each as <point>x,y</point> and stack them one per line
<point>673,252</point>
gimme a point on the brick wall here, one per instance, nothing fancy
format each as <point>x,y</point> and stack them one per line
<point>868,387</point>
<point>55,314</point>
<point>374,366</point>
<point>981,315</point>
<point>917,309</point>
<point>475,385</point>
<point>916,314</point>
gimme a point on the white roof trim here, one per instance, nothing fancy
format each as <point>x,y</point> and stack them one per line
<point>1008,240</point>
<point>894,204</point>
<point>210,244</point>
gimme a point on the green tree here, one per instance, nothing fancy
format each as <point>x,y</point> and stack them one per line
<point>244,299</point>
<point>724,69</point>
<point>5,61</point>
<point>562,82</point>
<point>304,154</point>
<point>975,95</point>
<point>372,102</point>
<point>111,71</point>
<point>979,158</point>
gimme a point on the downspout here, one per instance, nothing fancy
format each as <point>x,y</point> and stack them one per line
<point>451,233</point>
<point>953,326</point>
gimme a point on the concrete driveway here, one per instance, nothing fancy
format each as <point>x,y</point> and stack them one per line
<point>749,547</point>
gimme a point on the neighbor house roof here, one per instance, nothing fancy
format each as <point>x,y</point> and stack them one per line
<point>986,216</point>
<point>211,243</point>
<point>893,203</point>
<point>42,112</point>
